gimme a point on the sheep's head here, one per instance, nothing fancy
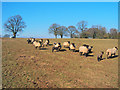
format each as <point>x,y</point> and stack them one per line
<point>102,52</point>
<point>69,42</point>
<point>116,48</point>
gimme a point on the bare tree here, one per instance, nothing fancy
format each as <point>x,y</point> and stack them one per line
<point>15,24</point>
<point>54,29</point>
<point>82,25</point>
<point>62,31</point>
<point>72,30</point>
<point>113,33</point>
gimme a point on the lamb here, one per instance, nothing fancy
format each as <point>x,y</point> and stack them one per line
<point>83,50</point>
<point>46,42</point>
<point>110,52</point>
<point>37,44</point>
<point>72,47</point>
<point>66,44</point>
<point>99,57</point>
<point>57,46</point>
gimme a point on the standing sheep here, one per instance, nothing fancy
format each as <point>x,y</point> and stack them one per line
<point>99,57</point>
<point>66,44</point>
<point>32,40</point>
<point>29,41</point>
<point>89,47</point>
<point>83,50</point>
<point>41,40</point>
<point>37,44</point>
<point>46,42</point>
<point>57,46</point>
<point>110,52</point>
<point>72,47</point>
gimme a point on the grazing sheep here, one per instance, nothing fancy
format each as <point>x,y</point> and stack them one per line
<point>57,46</point>
<point>99,57</point>
<point>37,44</point>
<point>41,40</point>
<point>83,50</point>
<point>46,42</point>
<point>29,41</point>
<point>89,47</point>
<point>66,44</point>
<point>32,40</point>
<point>110,52</point>
<point>72,47</point>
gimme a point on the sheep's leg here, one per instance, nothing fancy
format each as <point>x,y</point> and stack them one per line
<point>80,53</point>
<point>52,49</point>
<point>114,54</point>
<point>86,54</point>
<point>39,48</point>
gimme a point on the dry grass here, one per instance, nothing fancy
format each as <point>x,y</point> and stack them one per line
<point>25,67</point>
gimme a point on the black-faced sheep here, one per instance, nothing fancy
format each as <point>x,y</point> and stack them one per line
<point>83,50</point>
<point>66,44</point>
<point>110,52</point>
<point>89,47</point>
<point>57,46</point>
<point>72,47</point>
<point>32,40</point>
<point>99,57</point>
<point>41,40</point>
<point>46,42</point>
<point>37,44</point>
<point>29,41</point>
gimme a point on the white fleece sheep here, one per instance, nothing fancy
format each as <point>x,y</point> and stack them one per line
<point>83,50</point>
<point>72,47</point>
<point>66,44</point>
<point>37,44</point>
<point>111,51</point>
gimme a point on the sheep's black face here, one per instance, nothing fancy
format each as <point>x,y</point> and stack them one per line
<point>68,41</point>
<point>102,52</point>
<point>91,46</point>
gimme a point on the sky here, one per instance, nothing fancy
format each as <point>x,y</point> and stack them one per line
<point>39,16</point>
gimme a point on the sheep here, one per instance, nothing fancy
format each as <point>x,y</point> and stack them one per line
<point>99,57</point>
<point>29,41</point>
<point>89,47</point>
<point>111,51</point>
<point>83,50</point>
<point>66,44</point>
<point>46,42</point>
<point>41,40</point>
<point>37,44</point>
<point>57,46</point>
<point>72,47</point>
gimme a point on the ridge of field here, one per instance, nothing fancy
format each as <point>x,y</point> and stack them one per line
<point>23,66</point>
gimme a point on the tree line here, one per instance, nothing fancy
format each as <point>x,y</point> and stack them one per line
<point>16,24</point>
<point>96,31</point>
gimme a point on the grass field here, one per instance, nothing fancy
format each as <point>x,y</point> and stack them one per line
<point>25,67</point>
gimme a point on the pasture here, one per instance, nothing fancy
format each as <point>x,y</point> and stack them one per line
<point>23,66</point>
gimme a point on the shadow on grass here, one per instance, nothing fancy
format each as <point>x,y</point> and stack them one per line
<point>43,49</point>
<point>62,50</point>
<point>90,55</point>
<point>76,50</point>
<point>50,44</point>
<point>113,56</point>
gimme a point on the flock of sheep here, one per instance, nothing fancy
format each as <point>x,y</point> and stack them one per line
<point>83,50</point>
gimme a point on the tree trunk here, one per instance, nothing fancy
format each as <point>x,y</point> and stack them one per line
<point>61,36</point>
<point>14,35</point>
<point>71,35</point>
<point>55,36</point>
